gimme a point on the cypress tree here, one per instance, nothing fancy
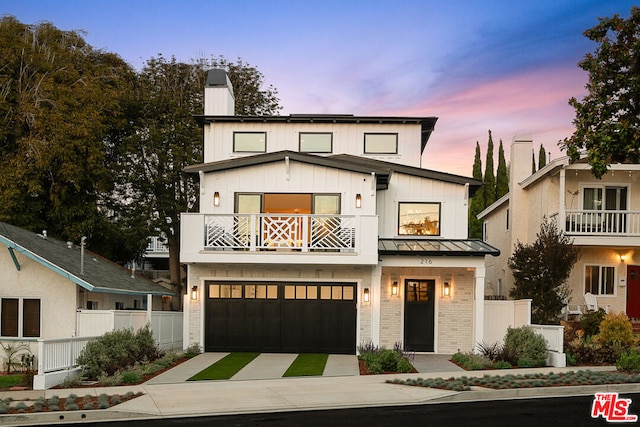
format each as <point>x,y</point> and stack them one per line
<point>502,176</point>
<point>476,204</point>
<point>533,162</point>
<point>542,158</point>
<point>489,177</point>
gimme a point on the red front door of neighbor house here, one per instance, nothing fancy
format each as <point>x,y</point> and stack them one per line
<point>633,291</point>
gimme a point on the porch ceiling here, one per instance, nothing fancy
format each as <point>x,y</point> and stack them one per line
<point>433,247</point>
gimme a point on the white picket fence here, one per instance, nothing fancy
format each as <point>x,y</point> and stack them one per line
<point>57,357</point>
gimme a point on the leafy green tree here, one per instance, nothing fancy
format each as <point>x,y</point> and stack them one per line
<point>540,272</point>
<point>542,157</point>
<point>489,178</point>
<point>61,103</point>
<point>476,204</point>
<point>608,118</point>
<point>152,186</point>
<point>502,174</point>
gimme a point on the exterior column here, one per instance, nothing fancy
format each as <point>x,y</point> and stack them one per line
<point>562,217</point>
<point>479,305</point>
<point>375,296</point>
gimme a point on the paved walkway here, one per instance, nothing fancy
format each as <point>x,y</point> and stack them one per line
<point>170,395</point>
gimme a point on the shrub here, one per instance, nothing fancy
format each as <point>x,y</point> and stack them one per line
<point>529,347</point>
<point>629,362</point>
<point>616,336</point>
<point>118,350</point>
<point>472,362</point>
<point>492,351</point>
<point>379,360</point>
<point>590,322</point>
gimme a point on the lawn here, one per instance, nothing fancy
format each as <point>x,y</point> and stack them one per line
<point>307,364</point>
<point>226,367</point>
<point>8,381</point>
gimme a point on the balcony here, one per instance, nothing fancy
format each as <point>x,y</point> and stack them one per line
<point>601,227</point>
<point>279,238</point>
<point>156,247</point>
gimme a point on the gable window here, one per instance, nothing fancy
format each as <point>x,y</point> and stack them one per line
<point>419,219</point>
<point>316,142</point>
<point>20,317</point>
<point>599,279</point>
<point>381,143</point>
<point>249,142</point>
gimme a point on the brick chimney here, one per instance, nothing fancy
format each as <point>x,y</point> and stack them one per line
<point>218,94</point>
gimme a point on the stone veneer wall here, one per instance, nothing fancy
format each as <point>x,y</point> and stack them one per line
<point>455,315</point>
<point>305,273</point>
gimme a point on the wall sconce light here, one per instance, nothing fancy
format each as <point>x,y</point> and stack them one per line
<point>358,201</point>
<point>394,288</point>
<point>623,258</point>
<point>194,292</point>
<point>365,295</point>
<point>216,199</point>
<point>446,289</point>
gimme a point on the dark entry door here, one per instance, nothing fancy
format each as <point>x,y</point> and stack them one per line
<point>419,308</point>
<point>633,291</point>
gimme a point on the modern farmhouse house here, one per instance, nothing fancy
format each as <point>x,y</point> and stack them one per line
<point>318,233</point>
<point>601,216</point>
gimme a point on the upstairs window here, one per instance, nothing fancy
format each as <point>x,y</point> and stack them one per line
<point>419,219</point>
<point>316,142</point>
<point>249,142</point>
<point>381,143</point>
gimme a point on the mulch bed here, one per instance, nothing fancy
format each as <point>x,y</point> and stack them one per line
<point>83,403</point>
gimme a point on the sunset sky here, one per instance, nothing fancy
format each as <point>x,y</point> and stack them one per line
<point>509,66</point>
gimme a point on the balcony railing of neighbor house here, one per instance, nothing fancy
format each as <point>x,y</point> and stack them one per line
<point>601,223</point>
<point>266,232</point>
<point>156,245</point>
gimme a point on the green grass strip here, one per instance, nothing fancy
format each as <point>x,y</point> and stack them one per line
<point>307,364</point>
<point>7,381</point>
<point>226,367</point>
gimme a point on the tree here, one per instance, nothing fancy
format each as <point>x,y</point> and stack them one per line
<point>542,157</point>
<point>533,162</point>
<point>608,118</point>
<point>502,174</point>
<point>541,270</point>
<point>61,102</point>
<point>489,179</point>
<point>476,204</point>
<point>152,185</point>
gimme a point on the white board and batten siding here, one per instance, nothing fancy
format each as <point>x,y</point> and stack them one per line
<point>302,178</point>
<point>408,188</point>
<point>347,139</point>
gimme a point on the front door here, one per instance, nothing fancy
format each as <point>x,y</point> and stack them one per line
<point>633,291</point>
<point>419,308</point>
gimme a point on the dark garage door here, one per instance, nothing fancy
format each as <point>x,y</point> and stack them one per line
<point>277,317</point>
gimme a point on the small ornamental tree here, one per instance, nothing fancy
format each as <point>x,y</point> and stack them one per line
<point>541,270</point>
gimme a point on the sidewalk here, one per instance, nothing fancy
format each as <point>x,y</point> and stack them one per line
<point>170,395</point>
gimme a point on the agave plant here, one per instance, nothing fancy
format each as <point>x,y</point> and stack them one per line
<point>13,354</point>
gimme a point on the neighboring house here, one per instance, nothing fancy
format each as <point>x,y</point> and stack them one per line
<point>318,233</point>
<point>45,283</point>
<point>602,216</point>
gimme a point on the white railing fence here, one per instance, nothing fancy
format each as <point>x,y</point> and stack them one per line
<point>600,222</point>
<point>57,357</point>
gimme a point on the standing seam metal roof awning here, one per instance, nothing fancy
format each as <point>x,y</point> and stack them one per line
<point>432,247</point>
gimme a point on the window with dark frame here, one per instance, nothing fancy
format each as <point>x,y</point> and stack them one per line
<point>381,143</point>
<point>418,219</point>
<point>249,142</point>
<point>315,142</point>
